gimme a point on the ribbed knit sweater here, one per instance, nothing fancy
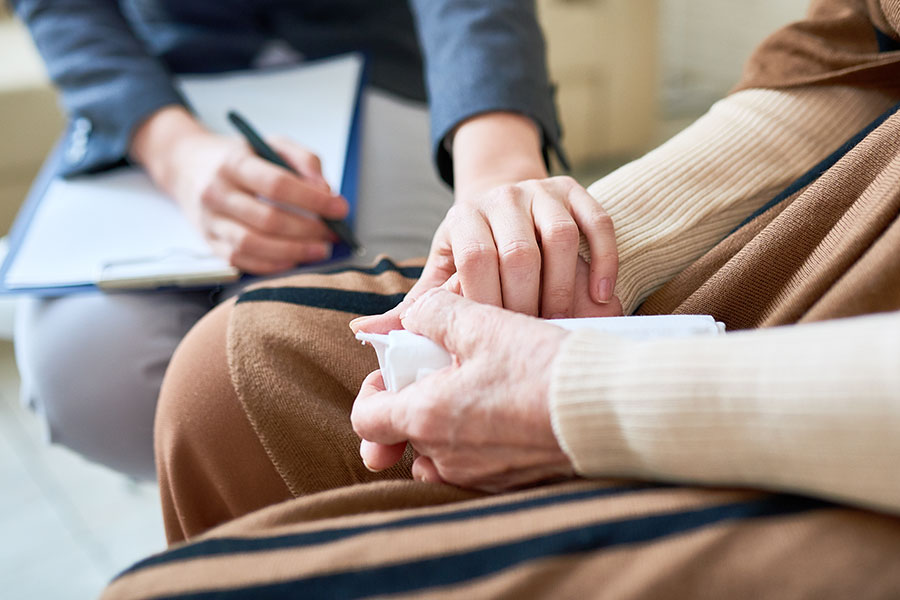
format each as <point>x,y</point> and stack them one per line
<point>812,408</point>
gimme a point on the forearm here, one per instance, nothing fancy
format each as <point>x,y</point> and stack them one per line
<point>677,202</point>
<point>811,408</point>
<point>494,149</point>
<point>483,57</point>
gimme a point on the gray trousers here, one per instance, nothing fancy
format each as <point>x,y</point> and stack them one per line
<point>92,364</point>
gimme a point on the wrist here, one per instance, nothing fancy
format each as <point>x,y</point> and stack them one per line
<point>156,141</point>
<point>495,149</point>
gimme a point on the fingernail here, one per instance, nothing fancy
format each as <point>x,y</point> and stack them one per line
<point>604,291</point>
<point>338,206</point>
<point>370,469</point>
<point>321,251</point>
<point>357,323</point>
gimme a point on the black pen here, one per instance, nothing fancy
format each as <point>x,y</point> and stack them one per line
<point>264,151</point>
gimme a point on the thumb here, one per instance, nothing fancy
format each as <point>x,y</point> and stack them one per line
<point>433,275</point>
<point>461,326</point>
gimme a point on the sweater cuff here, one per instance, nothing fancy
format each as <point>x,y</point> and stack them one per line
<point>584,423</point>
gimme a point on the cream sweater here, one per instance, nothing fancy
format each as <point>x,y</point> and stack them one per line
<point>813,408</point>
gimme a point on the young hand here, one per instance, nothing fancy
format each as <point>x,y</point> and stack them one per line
<point>228,193</point>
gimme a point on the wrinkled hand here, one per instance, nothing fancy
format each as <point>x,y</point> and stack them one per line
<point>230,194</point>
<point>482,423</point>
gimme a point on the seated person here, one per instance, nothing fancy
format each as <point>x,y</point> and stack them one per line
<point>114,63</point>
<point>776,211</point>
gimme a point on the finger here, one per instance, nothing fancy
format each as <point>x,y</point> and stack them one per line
<point>423,469</point>
<point>518,253</point>
<point>249,264</point>
<point>378,457</point>
<point>261,178</point>
<point>559,249</point>
<point>264,217</point>
<point>459,325</point>
<point>306,163</point>
<point>585,307</point>
<point>434,274</point>
<point>453,285</point>
<point>597,227</point>
<point>475,257</point>
<point>377,415</point>
<point>249,243</point>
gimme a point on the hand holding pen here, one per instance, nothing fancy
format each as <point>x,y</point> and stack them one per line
<point>219,183</point>
<point>266,152</point>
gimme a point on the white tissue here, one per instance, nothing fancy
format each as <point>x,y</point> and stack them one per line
<point>406,357</point>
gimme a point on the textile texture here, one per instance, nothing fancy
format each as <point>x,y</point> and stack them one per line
<point>824,248</point>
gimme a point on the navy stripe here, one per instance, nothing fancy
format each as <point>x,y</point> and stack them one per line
<point>885,42</point>
<point>215,547</point>
<point>818,170</point>
<point>452,569</point>
<point>358,303</point>
<point>383,266</point>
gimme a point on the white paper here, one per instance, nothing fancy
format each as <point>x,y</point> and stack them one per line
<point>405,357</point>
<point>119,228</point>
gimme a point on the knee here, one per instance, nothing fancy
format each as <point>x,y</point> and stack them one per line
<point>196,393</point>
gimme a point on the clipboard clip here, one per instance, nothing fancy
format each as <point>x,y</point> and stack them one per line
<point>177,267</point>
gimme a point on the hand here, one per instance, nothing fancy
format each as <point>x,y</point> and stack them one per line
<point>517,247</point>
<point>482,423</point>
<point>512,237</point>
<point>220,184</point>
<point>578,295</point>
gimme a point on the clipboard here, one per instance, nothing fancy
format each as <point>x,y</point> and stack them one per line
<point>117,231</point>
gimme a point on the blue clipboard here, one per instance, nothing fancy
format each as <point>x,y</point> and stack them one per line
<point>52,166</point>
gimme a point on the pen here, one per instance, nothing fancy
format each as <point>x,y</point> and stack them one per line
<point>266,152</point>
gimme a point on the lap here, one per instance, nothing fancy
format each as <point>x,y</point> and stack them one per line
<point>578,539</point>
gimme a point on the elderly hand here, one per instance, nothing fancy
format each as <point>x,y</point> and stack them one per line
<point>483,423</point>
<point>220,184</point>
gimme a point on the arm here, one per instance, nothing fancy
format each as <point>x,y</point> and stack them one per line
<point>122,104</point>
<point>813,409</point>
<point>484,57</point>
<point>511,239</point>
<point>675,203</point>
<point>108,81</point>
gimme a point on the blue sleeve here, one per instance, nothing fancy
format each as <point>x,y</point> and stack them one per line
<point>484,56</point>
<point>108,81</point>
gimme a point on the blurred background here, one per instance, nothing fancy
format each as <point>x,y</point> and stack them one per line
<point>631,73</point>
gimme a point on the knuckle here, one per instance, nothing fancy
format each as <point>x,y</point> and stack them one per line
<point>209,196</point>
<point>475,254</point>
<point>601,220</point>
<point>558,296</point>
<point>269,220</point>
<point>561,232</point>
<point>278,187</point>
<point>519,253</point>
<point>235,158</point>
<point>508,193</point>
<point>567,181</point>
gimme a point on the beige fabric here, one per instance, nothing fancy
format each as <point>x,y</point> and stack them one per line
<point>674,204</point>
<point>571,540</point>
<point>814,408</point>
